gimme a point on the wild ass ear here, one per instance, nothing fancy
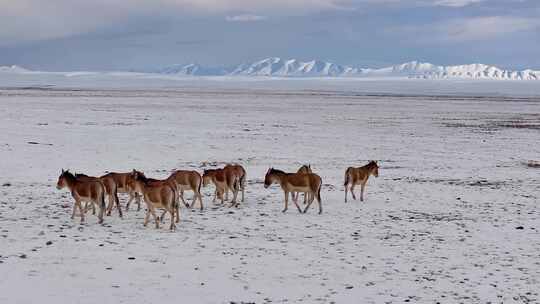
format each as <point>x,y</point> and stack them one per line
<point>63,171</point>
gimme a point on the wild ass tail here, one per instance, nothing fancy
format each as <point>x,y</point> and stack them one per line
<point>347,177</point>
<point>243,181</point>
<point>102,197</point>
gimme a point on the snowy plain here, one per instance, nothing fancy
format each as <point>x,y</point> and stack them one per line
<point>452,218</point>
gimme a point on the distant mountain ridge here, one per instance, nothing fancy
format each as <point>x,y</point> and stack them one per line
<point>278,67</point>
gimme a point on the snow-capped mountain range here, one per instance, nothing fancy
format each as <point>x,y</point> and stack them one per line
<point>277,67</point>
<point>295,68</point>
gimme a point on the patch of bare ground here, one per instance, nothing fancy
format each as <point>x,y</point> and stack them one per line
<point>533,164</point>
<point>454,181</point>
<point>522,121</point>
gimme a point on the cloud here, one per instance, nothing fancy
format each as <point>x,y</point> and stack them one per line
<point>485,28</point>
<point>467,29</point>
<point>31,20</point>
<point>456,3</point>
<point>245,18</point>
<point>34,20</point>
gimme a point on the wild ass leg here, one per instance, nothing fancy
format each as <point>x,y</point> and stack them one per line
<point>352,192</point>
<point>110,205</point>
<point>286,201</point>
<point>177,210</point>
<point>162,216</point>
<point>319,201</point>
<point>197,194</point>
<point>221,195</point>
<point>153,212</point>
<point>242,184</point>
<point>311,199</point>
<point>182,198</point>
<point>295,201</point>
<point>346,189</point>
<point>138,201</point>
<point>233,201</point>
<point>147,217</point>
<point>74,209</point>
<point>172,211</point>
<point>78,204</point>
<point>101,212</point>
<point>362,186</point>
<point>118,206</point>
<point>131,197</point>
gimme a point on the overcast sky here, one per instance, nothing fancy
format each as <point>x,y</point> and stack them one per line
<point>137,34</point>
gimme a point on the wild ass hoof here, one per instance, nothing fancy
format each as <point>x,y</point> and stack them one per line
<point>284,210</point>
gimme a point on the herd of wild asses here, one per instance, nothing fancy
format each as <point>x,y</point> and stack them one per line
<point>166,194</point>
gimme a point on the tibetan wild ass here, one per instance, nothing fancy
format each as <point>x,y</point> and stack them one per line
<point>303,169</point>
<point>83,190</point>
<point>224,180</point>
<point>360,175</point>
<point>188,181</point>
<point>111,190</point>
<point>296,182</point>
<point>157,194</point>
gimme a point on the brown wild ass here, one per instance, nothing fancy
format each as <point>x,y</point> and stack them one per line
<point>237,170</point>
<point>303,169</point>
<point>156,182</point>
<point>122,181</point>
<point>224,180</point>
<point>360,175</point>
<point>111,190</point>
<point>83,190</point>
<point>157,194</point>
<point>296,182</point>
<point>188,181</point>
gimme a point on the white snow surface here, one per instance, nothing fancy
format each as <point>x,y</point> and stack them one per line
<point>452,218</point>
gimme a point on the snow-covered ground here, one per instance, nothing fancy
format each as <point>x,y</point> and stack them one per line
<point>452,218</point>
